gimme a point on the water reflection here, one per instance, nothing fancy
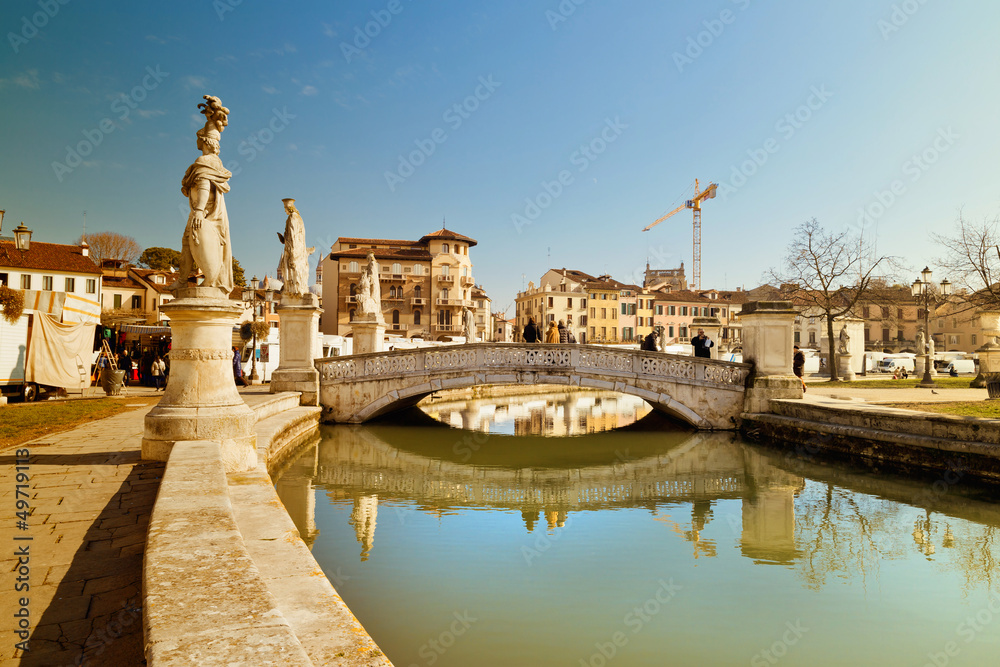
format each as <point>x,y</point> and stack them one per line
<point>559,413</point>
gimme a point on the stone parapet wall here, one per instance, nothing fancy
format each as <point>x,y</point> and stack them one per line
<point>936,443</point>
<point>227,577</point>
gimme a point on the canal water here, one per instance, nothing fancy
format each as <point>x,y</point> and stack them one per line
<point>578,529</point>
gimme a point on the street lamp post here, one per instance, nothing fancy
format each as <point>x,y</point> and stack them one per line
<point>922,290</point>
<point>250,295</point>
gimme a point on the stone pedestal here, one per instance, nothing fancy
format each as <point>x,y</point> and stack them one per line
<point>989,362</point>
<point>369,335</point>
<point>201,401</point>
<point>918,366</point>
<point>299,330</point>
<point>767,343</point>
<point>712,327</point>
<point>844,368</point>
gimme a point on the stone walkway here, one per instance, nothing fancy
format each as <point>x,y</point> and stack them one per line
<point>91,497</point>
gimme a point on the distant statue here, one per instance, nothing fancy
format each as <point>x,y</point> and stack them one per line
<point>921,343</point>
<point>845,342</point>
<point>206,244</point>
<point>660,342</point>
<point>469,325</point>
<point>370,291</point>
<point>295,258</point>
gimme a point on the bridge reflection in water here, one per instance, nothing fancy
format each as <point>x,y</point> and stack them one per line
<point>448,470</point>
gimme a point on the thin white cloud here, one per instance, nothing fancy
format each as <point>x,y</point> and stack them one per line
<point>154,38</point>
<point>226,59</point>
<point>309,91</point>
<point>151,113</point>
<point>270,90</point>
<point>194,82</point>
<point>28,79</point>
<point>328,30</point>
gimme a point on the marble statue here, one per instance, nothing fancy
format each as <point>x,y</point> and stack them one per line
<point>370,291</point>
<point>206,243</point>
<point>295,258</point>
<point>920,343</point>
<point>845,342</point>
<point>469,325</point>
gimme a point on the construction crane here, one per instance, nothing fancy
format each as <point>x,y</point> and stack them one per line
<point>695,205</point>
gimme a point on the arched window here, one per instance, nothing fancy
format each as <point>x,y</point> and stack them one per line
<point>352,267</point>
<point>416,317</point>
<point>395,317</point>
<point>445,270</point>
<point>392,292</point>
<point>465,270</point>
<point>397,268</point>
<point>444,293</point>
<point>416,292</point>
<point>418,269</point>
<point>444,248</point>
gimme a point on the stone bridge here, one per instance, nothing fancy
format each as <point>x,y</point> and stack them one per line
<point>704,393</point>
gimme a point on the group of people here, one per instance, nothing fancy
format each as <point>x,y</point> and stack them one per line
<point>556,333</point>
<point>149,369</point>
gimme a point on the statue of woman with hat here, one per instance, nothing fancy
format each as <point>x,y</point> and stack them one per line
<point>295,258</point>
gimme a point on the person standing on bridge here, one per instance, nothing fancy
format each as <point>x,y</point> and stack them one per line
<point>552,333</point>
<point>702,345</point>
<point>530,334</point>
<point>563,332</point>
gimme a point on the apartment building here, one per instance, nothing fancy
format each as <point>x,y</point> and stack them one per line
<point>426,284</point>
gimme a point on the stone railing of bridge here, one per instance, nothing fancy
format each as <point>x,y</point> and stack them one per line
<point>381,381</point>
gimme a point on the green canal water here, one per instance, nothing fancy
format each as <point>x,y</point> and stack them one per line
<point>540,537</point>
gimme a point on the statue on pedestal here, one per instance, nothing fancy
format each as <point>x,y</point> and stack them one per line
<point>370,291</point>
<point>206,243</point>
<point>921,343</point>
<point>469,325</point>
<point>845,342</point>
<point>295,258</point>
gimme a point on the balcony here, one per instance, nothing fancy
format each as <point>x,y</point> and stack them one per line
<point>351,298</point>
<point>396,327</point>
<point>445,327</point>
<point>450,280</point>
<point>451,302</point>
<point>418,302</point>
<point>392,277</point>
<point>466,281</point>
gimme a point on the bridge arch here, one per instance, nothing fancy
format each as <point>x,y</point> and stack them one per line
<point>704,393</point>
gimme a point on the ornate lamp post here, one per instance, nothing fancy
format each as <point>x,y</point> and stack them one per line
<point>923,291</point>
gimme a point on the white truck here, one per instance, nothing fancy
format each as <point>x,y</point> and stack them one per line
<point>16,378</point>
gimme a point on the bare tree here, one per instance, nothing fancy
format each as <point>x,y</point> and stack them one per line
<point>827,271</point>
<point>112,245</point>
<point>972,259</point>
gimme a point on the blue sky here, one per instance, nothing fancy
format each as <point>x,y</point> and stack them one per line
<point>833,101</point>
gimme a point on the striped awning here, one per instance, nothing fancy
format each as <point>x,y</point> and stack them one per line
<point>144,329</point>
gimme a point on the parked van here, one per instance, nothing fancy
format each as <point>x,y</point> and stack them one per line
<point>961,366</point>
<point>892,364</point>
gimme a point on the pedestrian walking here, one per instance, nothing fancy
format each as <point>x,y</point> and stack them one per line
<point>570,338</point>
<point>702,344</point>
<point>238,368</point>
<point>798,365</point>
<point>158,369</point>
<point>563,332</point>
<point>552,333</point>
<point>531,333</point>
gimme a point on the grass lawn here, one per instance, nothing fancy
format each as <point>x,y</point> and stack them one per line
<point>889,383</point>
<point>986,409</point>
<point>21,422</point>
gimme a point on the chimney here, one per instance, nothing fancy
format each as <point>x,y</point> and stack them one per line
<point>84,248</point>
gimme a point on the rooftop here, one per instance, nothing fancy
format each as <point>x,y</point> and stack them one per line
<point>46,257</point>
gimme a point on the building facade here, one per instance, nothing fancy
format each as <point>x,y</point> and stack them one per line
<point>425,285</point>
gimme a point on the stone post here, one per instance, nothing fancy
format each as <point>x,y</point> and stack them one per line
<point>767,343</point>
<point>369,335</point>
<point>299,330</point>
<point>712,327</point>
<point>989,353</point>
<point>201,401</point>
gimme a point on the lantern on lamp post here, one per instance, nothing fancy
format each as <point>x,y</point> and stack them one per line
<point>924,292</point>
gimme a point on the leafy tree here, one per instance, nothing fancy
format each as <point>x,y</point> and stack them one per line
<point>112,246</point>
<point>160,259</point>
<point>239,279</point>
<point>827,272</point>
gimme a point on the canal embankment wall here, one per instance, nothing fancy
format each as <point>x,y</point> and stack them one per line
<point>227,578</point>
<point>948,445</point>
